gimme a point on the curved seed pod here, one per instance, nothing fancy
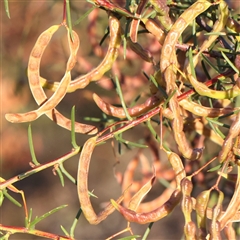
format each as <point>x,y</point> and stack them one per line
<point>135,22</point>
<point>215,224</point>
<point>34,63</point>
<point>154,29</point>
<point>51,103</point>
<point>40,96</point>
<point>168,60</point>
<point>137,198</point>
<point>201,210</point>
<point>128,179</point>
<point>203,111</point>
<point>119,112</point>
<point>218,27</point>
<point>228,141</point>
<point>159,201</point>
<point>37,91</point>
<point>33,66</point>
<point>154,101</point>
<point>82,185</point>
<point>199,87</point>
<point>177,166</point>
<point>153,216</point>
<point>233,206</point>
<point>104,66</point>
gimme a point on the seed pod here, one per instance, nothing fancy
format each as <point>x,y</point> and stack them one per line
<point>201,210</point>
<point>119,111</point>
<point>153,216</point>
<point>201,88</point>
<point>190,230</point>
<point>168,60</point>
<point>137,198</point>
<point>177,166</point>
<point>233,206</point>
<point>154,29</point>
<point>104,66</point>
<point>82,185</point>
<point>228,141</point>
<point>48,105</point>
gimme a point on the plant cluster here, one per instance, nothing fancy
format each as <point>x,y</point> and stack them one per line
<point>190,59</point>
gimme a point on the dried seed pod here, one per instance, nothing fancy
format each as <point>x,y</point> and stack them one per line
<point>233,206</point>
<point>190,231</point>
<point>199,87</point>
<point>48,105</point>
<point>167,63</point>
<point>137,198</point>
<point>157,202</point>
<point>104,66</point>
<point>119,112</point>
<point>201,210</point>
<point>82,185</point>
<point>154,29</point>
<point>228,141</point>
<point>153,216</point>
<point>177,166</point>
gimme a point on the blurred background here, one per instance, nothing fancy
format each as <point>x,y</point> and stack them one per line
<point>43,191</point>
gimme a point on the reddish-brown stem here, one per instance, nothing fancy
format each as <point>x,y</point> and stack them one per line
<point>12,230</point>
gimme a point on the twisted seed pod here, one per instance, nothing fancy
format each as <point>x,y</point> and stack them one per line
<point>33,66</point>
<point>48,105</point>
<point>104,66</point>
<point>167,63</point>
